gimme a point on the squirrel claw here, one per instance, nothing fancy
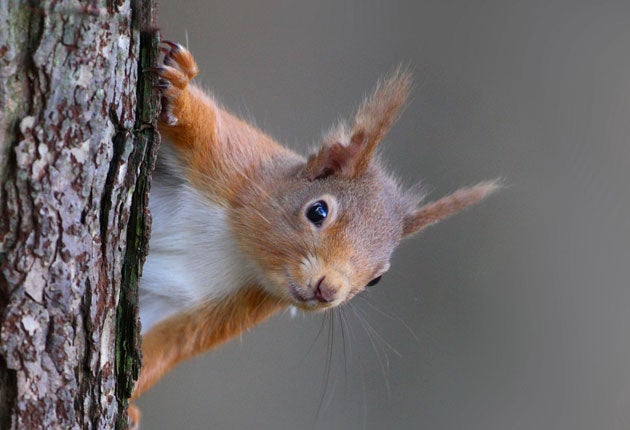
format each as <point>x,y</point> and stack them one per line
<point>180,58</point>
<point>154,69</point>
<point>175,72</point>
<point>167,118</point>
<point>173,46</point>
<point>133,417</point>
<point>162,85</point>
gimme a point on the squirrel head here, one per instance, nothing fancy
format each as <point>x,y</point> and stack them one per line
<point>327,230</point>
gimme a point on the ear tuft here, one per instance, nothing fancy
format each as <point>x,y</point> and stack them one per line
<point>349,152</point>
<point>378,113</point>
<point>434,212</point>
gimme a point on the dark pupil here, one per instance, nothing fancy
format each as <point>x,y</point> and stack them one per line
<point>374,282</point>
<point>317,213</point>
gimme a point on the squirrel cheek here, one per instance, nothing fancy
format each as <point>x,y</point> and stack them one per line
<point>275,282</point>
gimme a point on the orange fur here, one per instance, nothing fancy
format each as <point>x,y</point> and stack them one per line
<point>436,211</point>
<point>265,189</point>
<point>192,333</point>
<point>218,147</point>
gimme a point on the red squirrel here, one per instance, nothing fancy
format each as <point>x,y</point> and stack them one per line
<point>244,227</point>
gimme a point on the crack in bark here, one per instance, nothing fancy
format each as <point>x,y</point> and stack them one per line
<point>106,196</point>
<point>8,379</point>
<point>147,141</point>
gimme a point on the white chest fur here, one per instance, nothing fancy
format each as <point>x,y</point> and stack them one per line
<point>193,256</point>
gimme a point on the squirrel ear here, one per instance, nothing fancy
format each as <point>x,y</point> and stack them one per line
<point>433,212</point>
<point>334,157</point>
<point>349,153</point>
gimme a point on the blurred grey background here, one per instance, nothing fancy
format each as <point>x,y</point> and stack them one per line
<point>513,315</point>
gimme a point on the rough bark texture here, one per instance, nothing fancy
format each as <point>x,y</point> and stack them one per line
<point>74,160</point>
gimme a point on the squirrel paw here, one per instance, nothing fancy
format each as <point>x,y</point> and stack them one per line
<point>178,69</point>
<point>133,415</point>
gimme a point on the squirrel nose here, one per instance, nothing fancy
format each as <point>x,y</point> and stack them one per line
<point>323,292</point>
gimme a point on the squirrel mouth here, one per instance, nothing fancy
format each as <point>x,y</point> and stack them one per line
<point>307,303</point>
<point>298,296</point>
<point>302,302</point>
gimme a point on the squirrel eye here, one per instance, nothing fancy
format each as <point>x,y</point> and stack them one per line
<point>374,281</point>
<point>317,212</point>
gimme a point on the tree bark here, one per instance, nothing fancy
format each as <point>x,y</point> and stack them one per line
<point>77,143</point>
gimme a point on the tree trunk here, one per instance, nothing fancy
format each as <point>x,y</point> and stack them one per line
<point>77,142</point>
